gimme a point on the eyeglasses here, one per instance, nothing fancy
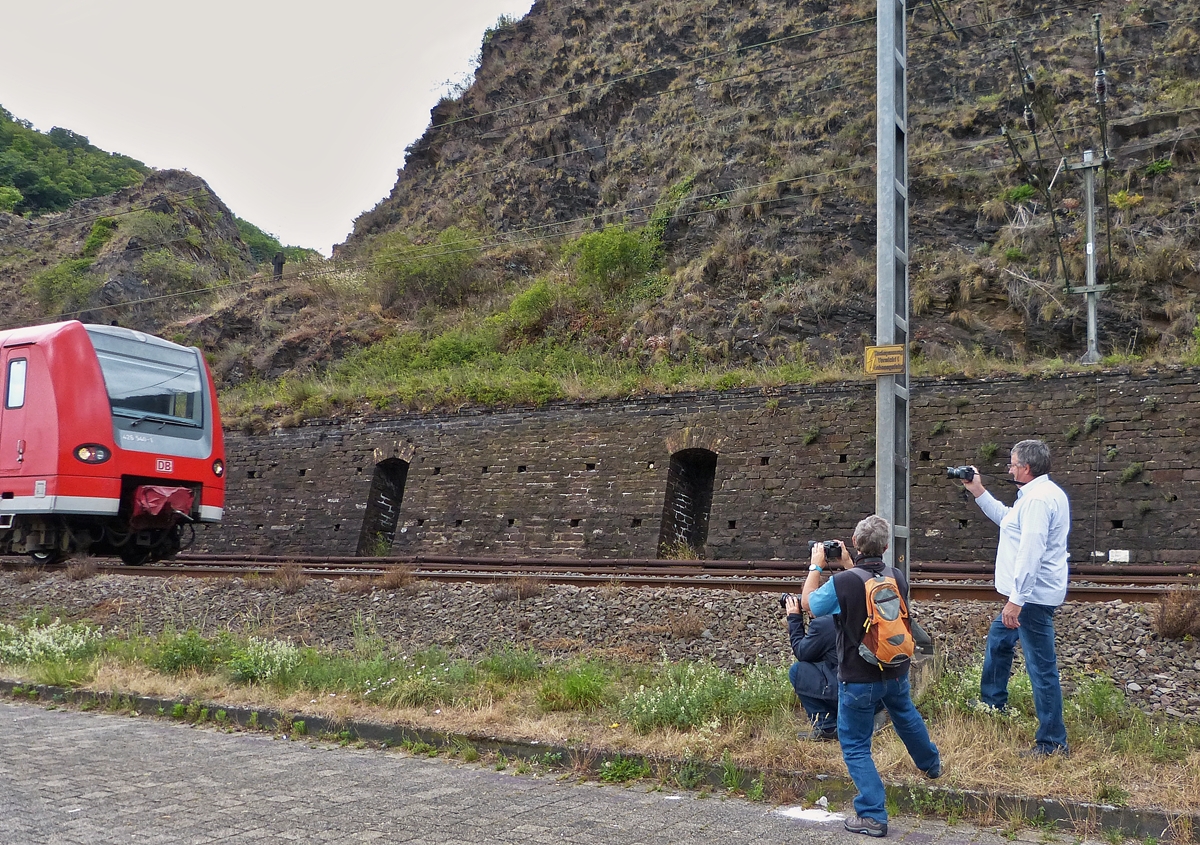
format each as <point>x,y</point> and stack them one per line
<point>1010,466</point>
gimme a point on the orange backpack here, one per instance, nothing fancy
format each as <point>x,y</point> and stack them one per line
<point>887,639</point>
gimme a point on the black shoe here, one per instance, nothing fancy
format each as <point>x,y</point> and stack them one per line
<point>818,734</point>
<point>935,772</point>
<point>1040,752</point>
<point>870,827</point>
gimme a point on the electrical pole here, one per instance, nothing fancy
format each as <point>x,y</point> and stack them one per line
<point>1091,289</point>
<point>888,361</point>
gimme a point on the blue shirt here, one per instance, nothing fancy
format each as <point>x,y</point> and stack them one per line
<point>1031,557</point>
<point>824,601</point>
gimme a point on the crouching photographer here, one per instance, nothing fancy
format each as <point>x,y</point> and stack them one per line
<point>814,674</point>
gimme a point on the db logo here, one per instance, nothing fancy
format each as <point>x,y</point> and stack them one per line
<point>164,465</point>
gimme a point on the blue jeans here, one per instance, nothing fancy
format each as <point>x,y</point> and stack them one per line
<point>1036,633</point>
<point>856,718</point>
<point>809,686</point>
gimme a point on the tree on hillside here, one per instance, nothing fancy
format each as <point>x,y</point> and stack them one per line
<point>54,169</point>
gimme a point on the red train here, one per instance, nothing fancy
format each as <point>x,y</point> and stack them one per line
<point>110,443</point>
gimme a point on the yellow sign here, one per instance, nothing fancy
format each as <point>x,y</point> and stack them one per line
<point>885,360</point>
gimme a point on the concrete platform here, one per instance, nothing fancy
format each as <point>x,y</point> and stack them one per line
<point>74,777</point>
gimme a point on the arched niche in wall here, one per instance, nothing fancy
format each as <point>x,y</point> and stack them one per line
<point>688,501</point>
<point>383,507</point>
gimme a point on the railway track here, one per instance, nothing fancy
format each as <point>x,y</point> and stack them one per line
<point>930,581</point>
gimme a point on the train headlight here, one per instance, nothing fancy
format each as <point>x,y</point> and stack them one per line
<point>218,467</point>
<point>92,453</point>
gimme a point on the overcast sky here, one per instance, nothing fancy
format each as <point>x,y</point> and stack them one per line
<point>296,113</point>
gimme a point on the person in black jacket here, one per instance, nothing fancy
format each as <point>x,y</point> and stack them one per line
<point>862,686</point>
<point>814,674</point>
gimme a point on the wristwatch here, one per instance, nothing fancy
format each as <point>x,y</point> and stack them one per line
<point>812,567</point>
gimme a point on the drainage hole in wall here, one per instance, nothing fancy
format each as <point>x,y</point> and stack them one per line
<point>437,470</point>
<point>841,459</point>
<point>924,456</point>
<point>732,524</point>
<point>302,472</point>
<point>591,467</point>
<point>635,523</point>
<point>1118,523</point>
<point>458,523</point>
<point>574,523</point>
<point>511,522</point>
<point>962,523</point>
<point>521,468</point>
<point>764,461</point>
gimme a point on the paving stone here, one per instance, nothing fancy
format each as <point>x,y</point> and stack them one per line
<point>62,775</point>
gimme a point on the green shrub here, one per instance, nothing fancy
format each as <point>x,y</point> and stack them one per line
<point>53,169</point>
<point>163,268</point>
<point>580,687</point>
<point>761,689</point>
<point>512,664</point>
<point>10,197</point>
<point>1159,167</point>
<point>47,643</point>
<point>1131,472</point>
<point>458,347</point>
<point>622,769</point>
<point>529,310</point>
<point>437,273</point>
<point>65,287</point>
<point>102,231</point>
<point>151,228</point>
<point>686,695</point>
<point>179,653</point>
<point>1019,194</point>
<point>612,258</point>
<point>262,660</point>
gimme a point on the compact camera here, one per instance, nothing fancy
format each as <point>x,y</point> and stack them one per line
<point>965,473</point>
<point>833,549</point>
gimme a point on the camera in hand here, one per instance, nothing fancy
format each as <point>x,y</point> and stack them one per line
<point>965,473</point>
<point>783,598</point>
<point>833,549</point>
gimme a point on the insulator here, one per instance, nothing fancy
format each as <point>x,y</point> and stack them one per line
<point>1100,55</point>
<point>1030,123</point>
<point>1029,83</point>
<point>1101,87</point>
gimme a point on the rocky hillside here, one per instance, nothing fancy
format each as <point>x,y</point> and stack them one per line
<point>750,125</point>
<point>143,256</point>
<point>636,196</point>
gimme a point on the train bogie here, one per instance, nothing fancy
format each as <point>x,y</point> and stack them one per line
<point>110,443</point>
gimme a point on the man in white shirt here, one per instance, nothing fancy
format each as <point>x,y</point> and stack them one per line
<point>1031,570</point>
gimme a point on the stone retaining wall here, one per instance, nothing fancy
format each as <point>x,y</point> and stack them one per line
<point>591,479</point>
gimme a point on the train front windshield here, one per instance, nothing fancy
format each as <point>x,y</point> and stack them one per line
<point>151,381</point>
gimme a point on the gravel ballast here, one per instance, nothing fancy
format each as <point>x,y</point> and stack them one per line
<point>731,629</point>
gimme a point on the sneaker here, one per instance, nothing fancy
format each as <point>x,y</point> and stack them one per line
<point>882,720</point>
<point>1040,752</point>
<point>818,734</point>
<point>870,827</point>
<point>935,772</point>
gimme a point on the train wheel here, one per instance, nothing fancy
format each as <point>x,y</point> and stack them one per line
<point>134,555</point>
<point>45,556</point>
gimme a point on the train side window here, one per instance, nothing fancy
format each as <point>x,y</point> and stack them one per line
<point>14,395</point>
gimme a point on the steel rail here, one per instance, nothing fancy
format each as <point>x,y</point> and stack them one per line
<point>982,570</point>
<point>924,589</point>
